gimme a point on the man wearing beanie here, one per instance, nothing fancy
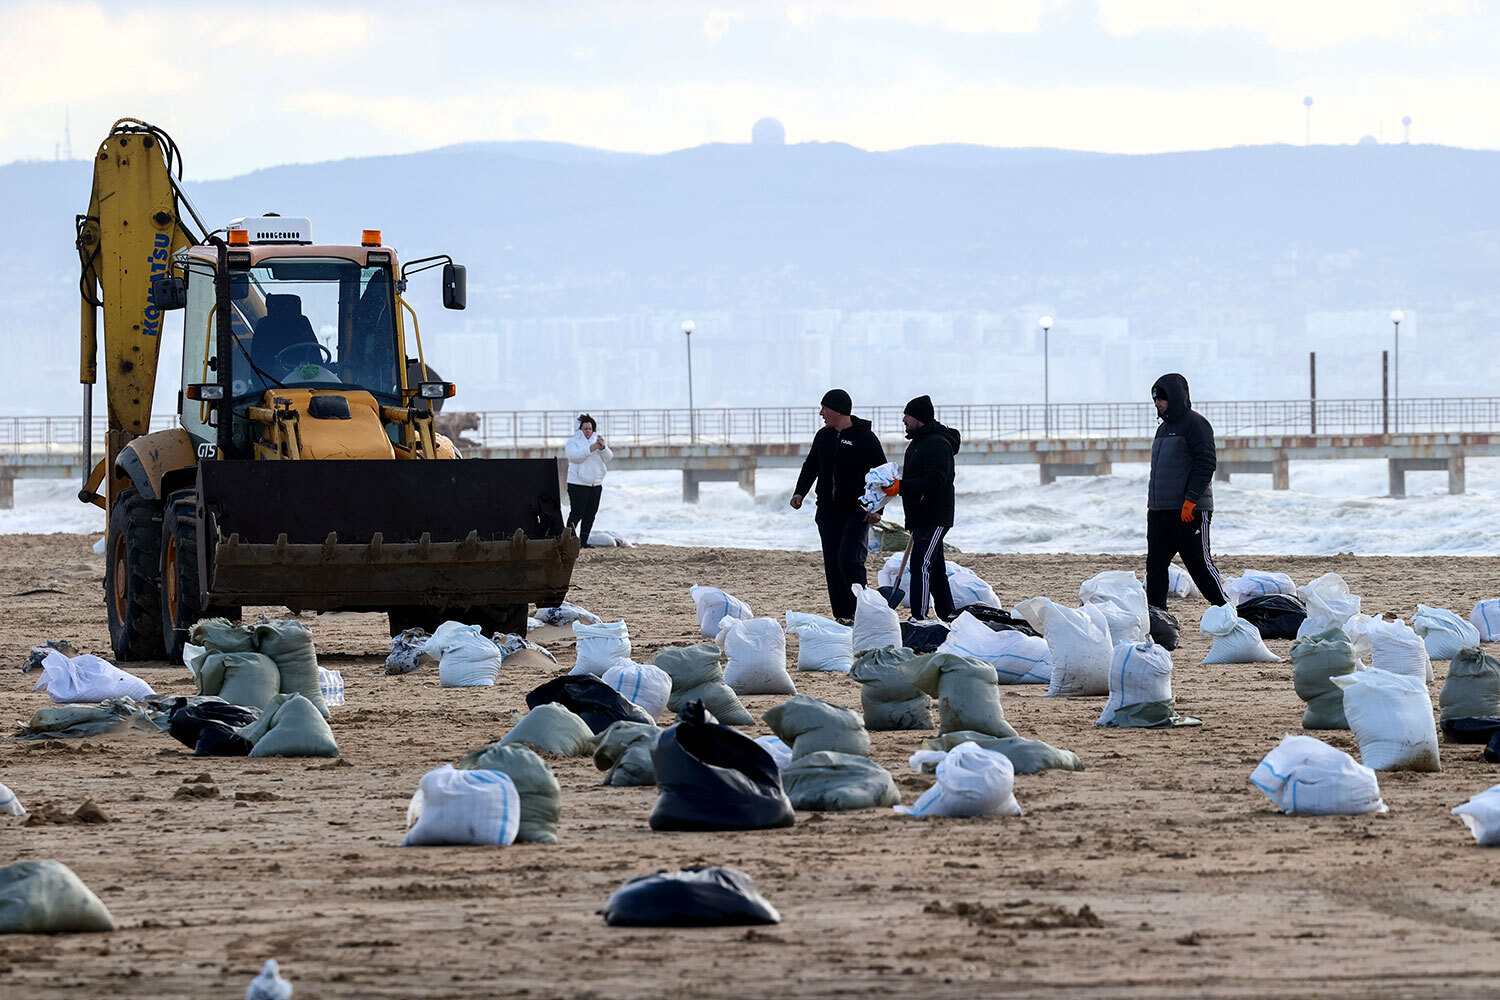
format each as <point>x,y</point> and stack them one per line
<point>841,453</point>
<point>927,495</point>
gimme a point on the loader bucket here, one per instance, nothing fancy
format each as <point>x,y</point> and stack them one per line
<point>370,535</point>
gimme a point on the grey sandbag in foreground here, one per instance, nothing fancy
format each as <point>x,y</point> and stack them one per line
<point>697,676</point>
<point>554,729</point>
<point>967,691</point>
<point>1316,660</point>
<point>692,897</point>
<point>1026,756</point>
<point>807,725</point>
<point>541,795</point>
<point>1472,687</point>
<point>292,726</point>
<point>826,781</point>
<point>45,897</point>
<point>886,693</point>
<point>625,752</point>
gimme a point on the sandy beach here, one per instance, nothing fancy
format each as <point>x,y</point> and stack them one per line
<point>1157,871</point>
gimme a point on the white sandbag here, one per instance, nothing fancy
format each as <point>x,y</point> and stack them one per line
<point>1486,618</point>
<point>1079,644</point>
<point>1443,632</point>
<point>9,804</point>
<point>876,624</point>
<point>1235,640</point>
<point>1257,583</point>
<point>1306,776</point>
<point>1139,674</point>
<point>1481,814</point>
<point>714,605</point>
<point>87,678</point>
<point>600,646</point>
<point>1391,716</point>
<point>465,657</point>
<point>822,643</point>
<point>463,807</point>
<point>1329,605</point>
<point>971,781</point>
<point>1180,582</point>
<point>966,586</point>
<point>1122,598</point>
<point>644,684</point>
<point>756,652</point>
<point>780,752</point>
<point>1018,658</point>
<point>566,613</point>
<point>1397,649</point>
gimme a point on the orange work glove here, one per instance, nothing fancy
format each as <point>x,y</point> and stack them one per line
<point>892,489</point>
<point>1188,507</point>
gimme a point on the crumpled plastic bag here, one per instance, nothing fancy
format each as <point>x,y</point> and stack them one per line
<point>1122,598</point>
<point>1329,605</point>
<point>966,690</point>
<point>452,806</point>
<point>697,676</point>
<point>712,777</point>
<point>554,729</point>
<point>1305,776</point>
<point>1481,814</point>
<point>46,897</point>
<point>541,795</point>
<point>692,897</point>
<point>971,781</point>
<point>713,606</point>
<point>566,613</point>
<point>220,721</point>
<point>1275,616</point>
<point>1235,640</point>
<point>1165,628</point>
<point>779,749</point>
<point>810,725</point>
<point>87,679</point>
<point>84,721</point>
<point>1443,632</point>
<point>406,651</point>
<point>827,781</point>
<point>885,692</point>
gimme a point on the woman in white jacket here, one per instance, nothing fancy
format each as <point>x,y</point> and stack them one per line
<point>587,454</point>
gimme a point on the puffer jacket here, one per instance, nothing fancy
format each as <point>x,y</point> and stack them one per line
<point>585,467</point>
<point>1182,454</point>
<point>927,476</point>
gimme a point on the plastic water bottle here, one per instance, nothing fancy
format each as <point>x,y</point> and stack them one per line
<point>331,684</point>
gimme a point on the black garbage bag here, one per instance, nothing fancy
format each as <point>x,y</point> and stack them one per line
<point>999,620</point>
<point>923,638</point>
<point>1275,616</point>
<point>589,698</point>
<point>218,740</point>
<point>188,721</point>
<point>1492,750</point>
<point>1165,628</point>
<point>713,777</point>
<point>692,897</point>
<point>1476,729</point>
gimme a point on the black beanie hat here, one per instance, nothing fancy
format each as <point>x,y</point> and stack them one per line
<point>921,408</point>
<point>838,401</point>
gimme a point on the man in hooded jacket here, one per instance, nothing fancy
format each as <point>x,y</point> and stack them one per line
<point>1180,498</point>
<point>927,495</point>
<point>841,453</point>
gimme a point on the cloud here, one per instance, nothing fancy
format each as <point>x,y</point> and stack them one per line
<point>967,16</point>
<point>718,21</point>
<point>1297,25</point>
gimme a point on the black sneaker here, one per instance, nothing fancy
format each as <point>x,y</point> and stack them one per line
<point>845,621</point>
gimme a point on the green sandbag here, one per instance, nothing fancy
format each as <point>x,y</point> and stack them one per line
<point>809,725</point>
<point>83,721</point>
<point>290,644</point>
<point>541,795</point>
<point>826,781</point>
<point>967,690</point>
<point>1472,688</point>
<point>885,692</point>
<point>1316,660</point>
<point>1026,756</point>
<point>555,729</point>
<point>1152,715</point>
<point>250,679</point>
<point>625,752</point>
<point>45,897</point>
<point>697,676</point>
<point>220,635</point>
<point>291,727</point>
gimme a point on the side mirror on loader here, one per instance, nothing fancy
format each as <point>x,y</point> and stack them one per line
<point>455,286</point>
<point>169,293</point>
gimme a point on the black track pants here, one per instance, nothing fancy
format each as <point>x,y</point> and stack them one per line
<point>583,504</point>
<point>844,538</point>
<point>1167,535</point>
<point>929,574</point>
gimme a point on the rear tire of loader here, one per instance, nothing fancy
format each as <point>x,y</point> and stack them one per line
<point>181,597</point>
<point>132,580</point>
<point>506,619</point>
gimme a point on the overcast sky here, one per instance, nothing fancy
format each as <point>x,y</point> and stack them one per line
<point>243,86</point>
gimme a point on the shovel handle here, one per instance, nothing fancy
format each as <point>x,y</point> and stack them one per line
<point>897,593</point>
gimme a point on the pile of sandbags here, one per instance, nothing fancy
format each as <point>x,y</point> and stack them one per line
<point>876,624</point>
<point>713,606</point>
<point>1026,756</point>
<point>1078,642</point>
<point>697,676</point>
<point>712,777</point>
<point>1472,688</point>
<point>1235,640</point>
<point>1306,776</point>
<point>1140,689</point>
<point>886,693</point>
<point>454,806</point>
<point>971,781</point>
<point>809,725</point>
<point>966,690</point>
<point>540,794</point>
<point>600,645</point>
<point>822,643</point>
<point>1443,632</point>
<point>1122,599</point>
<point>1316,660</point>
<point>829,781</point>
<point>756,653</point>
<point>1018,658</point>
<point>646,685</point>
<point>1391,716</point>
<point>251,664</point>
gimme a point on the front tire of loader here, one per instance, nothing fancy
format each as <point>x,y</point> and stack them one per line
<point>181,599</point>
<point>132,579</point>
<point>506,619</point>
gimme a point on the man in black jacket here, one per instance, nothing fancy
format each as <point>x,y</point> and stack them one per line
<point>927,495</point>
<point>1180,499</point>
<point>841,453</point>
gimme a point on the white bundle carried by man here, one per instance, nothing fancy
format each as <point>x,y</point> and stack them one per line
<point>1486,619</point>
<point>1481,814</point>
<point>1121,597</point>
<point>1235,640</point>
<point>1443,632</point>
<point>600,646</point>
<point>87,679</point>
<point>1140,684</point>
<point>465,657</point>
<point>1307,777</point>
<point>1391,716</point>
<point>1257,583</point>
<point>463,807</point>
<point>966,586</point>
<point>1397,649</point>
<point>971,781</point>
<point>822,643</point>
<point>756,651</point>
<point>713,606</point>
<point>876,624</point>
<point>1329,605</point>
<point>880,483</point>
<point>1018,658</point>
<point>1078,643</point>
<point>645,685</point>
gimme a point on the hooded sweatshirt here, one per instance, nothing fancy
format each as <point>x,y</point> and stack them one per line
<point>586,467</point>
<point>927,476</point>
<point>838,460</point>
<point>1182,454</point>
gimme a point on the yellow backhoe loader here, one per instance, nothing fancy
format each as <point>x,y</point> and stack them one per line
<point>305,470</point>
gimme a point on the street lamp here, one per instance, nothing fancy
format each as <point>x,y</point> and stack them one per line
<point>1396,317</point>
<point>687,328</point>
<point>1046,325</point>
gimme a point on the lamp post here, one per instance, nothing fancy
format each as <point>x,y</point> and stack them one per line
<point>687,328</point>
<point>1046,324</point>
<point>1396,317</point>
